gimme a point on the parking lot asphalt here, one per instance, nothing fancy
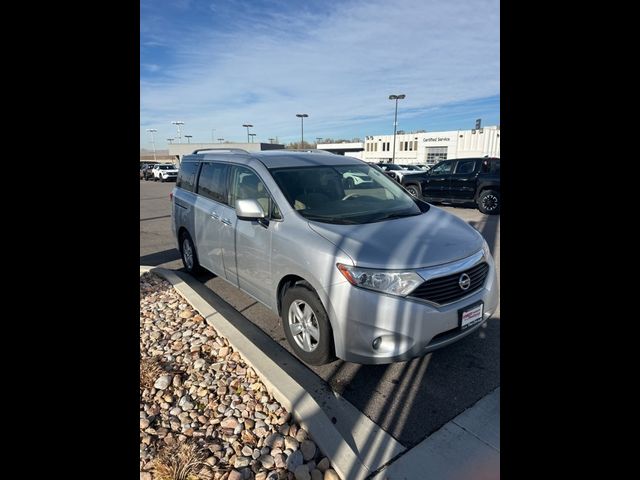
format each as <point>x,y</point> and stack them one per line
<point>410,400</point>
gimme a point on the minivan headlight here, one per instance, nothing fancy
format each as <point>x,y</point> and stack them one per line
<point>486,249</point>
<point>387,281</point>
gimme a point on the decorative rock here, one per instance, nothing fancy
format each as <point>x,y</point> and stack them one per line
<point>280,461</point>
<point>301,435</point>
<point>186,314</point>
<point>316,474</point>
<point>294,460</point>
<point>267,461</point>
<point>274,440</point>
<point>223,352</point>
<point>162,382</point>
<point>308,449</point>
<point>198,364</point>
<point>144,423</point>
<point>259,476</point>
<point>292,443</point>
<point>324,464</point>
<point>247,451</point>
<point>331,475</point>
<point>241,462</point>
<point>229,422</point>
<point>177,381</point>
<point>302,473</point>
<point>234,475</point>
<point>146,476</point>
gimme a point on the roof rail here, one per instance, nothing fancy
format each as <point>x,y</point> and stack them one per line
<point>308,150</point>
<point>230,150</point>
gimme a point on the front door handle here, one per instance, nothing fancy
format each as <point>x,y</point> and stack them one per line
<point>226,221</point>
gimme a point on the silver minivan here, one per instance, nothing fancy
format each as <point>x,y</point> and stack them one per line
<point>361,270</point>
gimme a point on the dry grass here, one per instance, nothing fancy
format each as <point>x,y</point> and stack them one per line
<point>181,461</point>
<point>150,370</point>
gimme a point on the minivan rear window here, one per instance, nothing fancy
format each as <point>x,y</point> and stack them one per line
<point>187,175</point>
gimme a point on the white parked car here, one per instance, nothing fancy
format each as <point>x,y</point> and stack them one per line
<point>164,172</point>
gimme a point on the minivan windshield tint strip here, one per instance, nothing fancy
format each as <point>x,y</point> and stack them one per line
<point>351,194</point>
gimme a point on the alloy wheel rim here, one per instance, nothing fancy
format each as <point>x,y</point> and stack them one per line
<point>490,202</point>
<point>303,326</point>
<point>187,253</point>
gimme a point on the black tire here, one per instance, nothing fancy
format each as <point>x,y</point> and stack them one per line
<point>162,180</point>
<point>192,267</point>
<point>323,350</point>
<point>414,190</point>
<point>489,202</point>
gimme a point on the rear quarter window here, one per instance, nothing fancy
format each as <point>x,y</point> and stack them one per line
<point>187,175</point>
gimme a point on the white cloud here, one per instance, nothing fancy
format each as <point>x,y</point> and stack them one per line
<point>339,68</point>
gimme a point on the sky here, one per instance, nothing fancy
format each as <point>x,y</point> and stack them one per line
<point>216,65</point>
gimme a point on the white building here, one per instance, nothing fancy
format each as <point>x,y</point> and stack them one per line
<point>424,147</point>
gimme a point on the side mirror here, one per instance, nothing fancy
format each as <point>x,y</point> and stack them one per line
<point>249,210</point>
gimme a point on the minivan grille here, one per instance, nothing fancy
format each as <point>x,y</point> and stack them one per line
<point>443,290</point>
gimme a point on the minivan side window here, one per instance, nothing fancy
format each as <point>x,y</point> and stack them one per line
<point>245,184</point>
<point>187,175</point>
<point>465,166</point>
<point>213,181</point>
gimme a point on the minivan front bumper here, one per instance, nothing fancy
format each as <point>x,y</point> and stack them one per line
<point>407,327</point>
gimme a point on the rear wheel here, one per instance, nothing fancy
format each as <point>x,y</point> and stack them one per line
<point>306,326</point>
<point>489,202</point>
<point>188,254</point>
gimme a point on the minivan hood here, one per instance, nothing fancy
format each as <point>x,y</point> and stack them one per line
<point>432,238</point>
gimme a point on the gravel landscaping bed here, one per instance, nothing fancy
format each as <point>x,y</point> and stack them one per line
<point>204,413</point>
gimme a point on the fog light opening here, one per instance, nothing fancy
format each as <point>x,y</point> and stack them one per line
<point>376,343</point>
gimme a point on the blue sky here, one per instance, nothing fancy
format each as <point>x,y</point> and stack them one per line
<point>223,63</point>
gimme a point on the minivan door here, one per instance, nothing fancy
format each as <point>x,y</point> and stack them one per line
<point>252,238</point>
<point>211,199</point>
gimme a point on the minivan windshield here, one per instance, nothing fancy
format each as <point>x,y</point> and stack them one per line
<point>333,194</point>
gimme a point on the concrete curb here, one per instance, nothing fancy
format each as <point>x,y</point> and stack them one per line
<point>289,393</point>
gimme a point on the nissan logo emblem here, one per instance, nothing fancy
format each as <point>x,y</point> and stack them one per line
<point>464,281</point>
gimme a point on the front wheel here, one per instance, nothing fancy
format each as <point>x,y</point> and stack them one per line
<point>489,202</point>
<point>306,326</point>
<point>413,190</point>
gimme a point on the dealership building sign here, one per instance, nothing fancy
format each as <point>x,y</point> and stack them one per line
<point>436,139</point>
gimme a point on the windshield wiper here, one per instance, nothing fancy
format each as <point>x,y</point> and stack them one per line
<point>397,215</point>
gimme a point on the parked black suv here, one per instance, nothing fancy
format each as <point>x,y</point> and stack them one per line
<point>463,180</point>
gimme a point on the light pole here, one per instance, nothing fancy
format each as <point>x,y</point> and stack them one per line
<point>395,123</point>
<point>318,140</point>
<point>188,137</point>
<point>220,140</point>
<point>252,135</point>
<point>170,140</point>
<point>302,117</point>
<point>153,141</point>
<point>178,124</point>
<point>248,125</point>
<point>271,140</point>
